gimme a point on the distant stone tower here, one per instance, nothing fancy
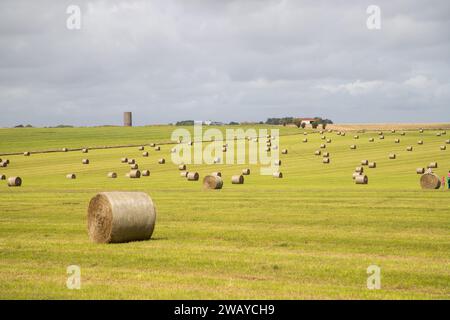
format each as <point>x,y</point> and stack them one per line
<point>127,119</point>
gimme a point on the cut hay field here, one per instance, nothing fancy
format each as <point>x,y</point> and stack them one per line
<point>310,235</point>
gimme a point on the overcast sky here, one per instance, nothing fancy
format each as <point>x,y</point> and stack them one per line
<point>220,60</point>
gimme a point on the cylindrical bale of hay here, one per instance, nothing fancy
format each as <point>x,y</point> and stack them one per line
<point>183,174</point>
<point>323,146</point>
<point>359,169</point>
<point>438,134</point>
<point>433,165</point>
<point>269,144</point>
<point>402,133</point>
<point>267,149</point>
<point>392,156</point>
<point>284,151</point>
<point>364,162</point>
<point>371,139</point>
<point>326,154</point>
<point>152,145</point>
<point>237,179</point>
<point>444,132</point>
<point>192,176</point>
<point>134,174</point>
<point>321,131</point>
<point>420,142</point>
<point>447,141</point>
<point>26,153</point>
<point>382,137</point>
<point>343,134</point>
<point>224,149</point>
<point>380,133</point>
<point>190,143</point>
<point>318,152</point>
<point>430,181</point>
<point>246,171</point>
<point>420,170</point>
<point>124,160</point>
<point>443,147</point>
<point>421,130</point>
<point>2,177</point>
<point>85,161</point>
<point>145,173</point>
<point>326,160</point>
<point>277,162</point>
<point>115,217</point>
<point>112,175</point>
<point>162,161</point>
<point>182,167</point>
<point>409,148</point>
<point>356,137</point>
<point>134,166</point>
<point>14,182</point>
<point>372,164</point>
<point>85,150</point>
<point>397,140</point>
<point>353,147</point>
<point>71,176</point>
<point>141,148</point>
<point>328,140</point>
<point>217,173</point>
<point>338,133</point>
<point>323,137</point>
<point>277,175</point>
<point>131,161</point>
<point>305,133</point>
<point>65,149</point>
<point>145,154</point>
<point>361,179</point>
<point>158,148</point>
<point>212,182</point>
<point>305,140</point>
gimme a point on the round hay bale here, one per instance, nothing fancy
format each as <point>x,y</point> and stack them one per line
<point>182,167</point>
<point>392,131</point>
<point>305,140</point>
<point>305,133</point>
<point>284,151</point>
<point>323,137</point>
<point>353,147</point>
<point>212,182</point>
<point>224,149</point>
<point>447,141</point>
<point>145,154</point>
<point>323,146</point>
<point>145,173</point>
<point>277,162</point>
<point>141,148</point>
<point>326,154</point>
<point>217,173</point>
<point>402,133</point>
<point>421,130</point>
<point>359,169</point>
<point>124,160</point>
<point>372,164</point>
<point>192,176</point>
<point>343,134</point>
<point>85,161</point>
<point>338,133</point>
<point>183,174</point>
<point>112,175</point>
<point>158,148</point>
<point>361,179</point>
<point>65,149</point>
<point>14,182</point>
<point>326,160</point>
<point>438,134</point>
<point>444,132</point>
<point>328,140</point>
<point>115,217</point>
<point>269,144</point>
<point>443,147</point>
<point>420,170</point>
<point>420,142</point>
<point>237,179</point>
<point>356,137</point>
<point>190,143</point>
<point>433,165</point>
<point>382,137</point>
<point>397,140</point>
<point>85,150</point>
<point>131,161</point>
<point>277,175</point>
<point>318,152</point>
<point>2,177</point>
<point>71,176</point>
<point>364,162</point>
<point>134,174</point>
<point>321,131</point>
<point>246,171</point>
<point>409,148</point>
<point>267,149</point>
<point>371,139</point>
<point>162,161</point>
<point>134,166</point>
<point>430,181</point>
<point>392,156</point>
<point>26,153</point>
<point>380,133</point>
<point>152,145</point>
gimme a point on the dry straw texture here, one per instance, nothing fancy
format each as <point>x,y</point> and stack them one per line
<point>162,161</point>
<point>237,179</point>
<point>430,181</point>
<point>372,164</point>
<point>192,176</point>
<point>14,182</point>
<point>115,217</point>
<point>361,179</point>
<point>212,182</point>
<point>134,174</point>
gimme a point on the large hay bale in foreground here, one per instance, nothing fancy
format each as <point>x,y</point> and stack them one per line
<point>115,217</point>
<point>430,181</point>
<point>192,176</point>
<point>237,179</point>
<point>14,182</point>
<point>112,175</point>
<point>361,179</point>
<point>71,176</point>
<point>212,182</point>
<point>420,170</point>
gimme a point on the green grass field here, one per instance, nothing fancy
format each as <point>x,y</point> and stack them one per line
<point>310,235</point>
